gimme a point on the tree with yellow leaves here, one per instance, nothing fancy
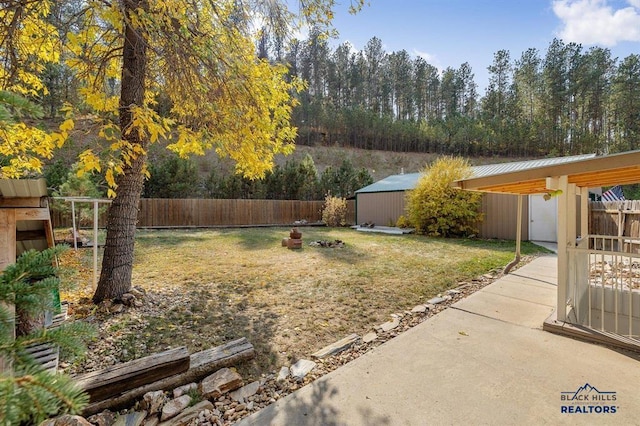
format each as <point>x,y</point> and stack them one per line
<point>27,44</point>
<point>200,54</point>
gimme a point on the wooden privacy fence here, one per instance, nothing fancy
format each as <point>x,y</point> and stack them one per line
<point>617,218</point>
<point>167,213</point>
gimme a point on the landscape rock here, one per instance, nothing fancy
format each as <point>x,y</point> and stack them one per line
<point>419,309</point>
<point>294,243</point>
<point>138,292</point>
<point>105,418</point>
<point>389,325</point>
<point>453,292</point>
<point>369,337</point>
<point>179,391</point>
<point>117,308</point>
<point>153,401</point>
<point>436,300</point>
<point>151,421</point>
<point>131,419</point>
<point>336,347</point>
<point>327,244</point>
<point>283,374</point>
<point>175,407</point>
<point>106,305</point>
<point>220,382</point>
<point>66,420</point>
<point>128,299</point>
<point>188,415</point>
<point>245,392</point>
<point>301,368</point>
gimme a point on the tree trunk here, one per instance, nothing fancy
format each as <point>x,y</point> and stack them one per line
<point>117,263</point>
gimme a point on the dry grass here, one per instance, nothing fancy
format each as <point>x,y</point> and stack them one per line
<point>206,287</point>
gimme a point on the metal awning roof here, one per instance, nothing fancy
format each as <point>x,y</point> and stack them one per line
<point>530,177</point>
<point>23,188</point>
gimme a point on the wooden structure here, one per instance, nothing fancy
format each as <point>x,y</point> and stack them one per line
<point>203,213</point>
<point>615,218</point>
<point>25,224</point>
<point>585,298</point>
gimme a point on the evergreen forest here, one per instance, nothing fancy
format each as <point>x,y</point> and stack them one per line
<point>562,101</point>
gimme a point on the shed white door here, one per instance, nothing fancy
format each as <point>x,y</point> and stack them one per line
<point>543,219</point>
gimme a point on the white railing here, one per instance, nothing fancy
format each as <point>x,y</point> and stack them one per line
<point>604,284</point>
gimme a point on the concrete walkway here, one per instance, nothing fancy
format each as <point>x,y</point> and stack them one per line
<point>484,361</point>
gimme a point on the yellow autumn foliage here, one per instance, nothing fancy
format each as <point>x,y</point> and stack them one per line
<point>28,44</point>
<point>200,54</point>
<point>222,96</point>
<point>435,208</point>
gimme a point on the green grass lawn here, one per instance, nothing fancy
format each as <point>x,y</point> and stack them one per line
<point>206,287</point>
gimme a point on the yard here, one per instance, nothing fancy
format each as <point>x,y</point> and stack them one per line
<point>207,287</point>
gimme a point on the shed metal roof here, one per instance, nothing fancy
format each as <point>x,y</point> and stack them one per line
<point>404,182</point>
<point>392,183</point>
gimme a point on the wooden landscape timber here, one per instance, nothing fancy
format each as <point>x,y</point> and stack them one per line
<point>111,381</point>
<point>201,364</point>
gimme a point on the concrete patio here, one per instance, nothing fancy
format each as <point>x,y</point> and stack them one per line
<point>485,360</point>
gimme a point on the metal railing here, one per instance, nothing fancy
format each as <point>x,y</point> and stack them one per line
<point>604,284</point>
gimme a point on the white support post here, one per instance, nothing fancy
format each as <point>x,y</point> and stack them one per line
<point>95,245</point>
<point>562,183</point>
<point>581,283</point>
<point>572,232</point>
<point>519,226</point>
<point>584,215</point>
<point>73,225</point>
<point>572,215</point>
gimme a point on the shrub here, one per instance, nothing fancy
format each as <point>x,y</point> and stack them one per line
<point>403,222</point>
<point>437,209</point>
<point>335,211</point>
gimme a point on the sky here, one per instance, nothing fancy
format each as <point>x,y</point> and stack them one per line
<point>447,33</point>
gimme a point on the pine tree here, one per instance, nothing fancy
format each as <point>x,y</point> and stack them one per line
<point>28,393</point>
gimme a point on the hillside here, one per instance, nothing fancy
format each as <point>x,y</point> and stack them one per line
<point>380,164</point>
